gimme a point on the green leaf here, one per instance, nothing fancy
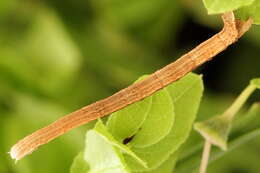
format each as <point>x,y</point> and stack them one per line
<point>158,123</point>
<point>167,166</point>
<point>221,6</point>
<point>102,130</point>
<point>57,58</point>
<point>256,82</point>
<point>185,92</point>
<point>103,157</point>
<point>103,152</point>
<point>100,140</point>
<point>137,121</point>
<point>79,165</point>
<point>131,117</point>
<point>251,11</point>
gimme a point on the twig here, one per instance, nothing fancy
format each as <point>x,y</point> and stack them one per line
<point>231,31</point>
<point>205,156</point>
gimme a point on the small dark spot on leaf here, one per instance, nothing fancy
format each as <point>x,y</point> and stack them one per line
<point>127,140</point>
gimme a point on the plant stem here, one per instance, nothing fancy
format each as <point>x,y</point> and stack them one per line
<point>239,102</point>
<point>205,156</point>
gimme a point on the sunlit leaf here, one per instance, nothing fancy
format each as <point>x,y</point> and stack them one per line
<point>251,11</point>
<point>129,119</point>
<point>158,123</point>
<point>102,130</point>
<point>79,165</point>
<point>138,121</point>
<point>221,6</point>
<point>103,157</point>
<point>187,91</point>
<point>166,167</point>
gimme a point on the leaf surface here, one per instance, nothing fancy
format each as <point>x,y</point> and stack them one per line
<point>126,122</point>
<point>251,11</point>
<point>168,166</point>
<point>158,123</point>
<point>221,6</point>
<point>159,135</point>
<point>145,122</point>
<point>79,165</point>
<point>101,129</point>
<point>186,95</point>
<point>103,157</point>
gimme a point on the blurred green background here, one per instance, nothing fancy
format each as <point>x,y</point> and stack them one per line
<point>57,56</point>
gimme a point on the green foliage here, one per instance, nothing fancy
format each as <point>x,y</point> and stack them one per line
<point>163,155</point>
<point>79,164</point>
<point>221,6</point>
<point>191,162</point>
<point>252,11</point>
<point>216,129</point>
<point>188,90</point>
<point>244,8</point>
<point>138,119</point>
<point>102,130</point>
<point>135,114</point>
<point>57,57</point>
<point>160,152</point>
<point>246,127</point>
<point>161,115</point>
<point>101,155</point>
<point>166,167</point>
